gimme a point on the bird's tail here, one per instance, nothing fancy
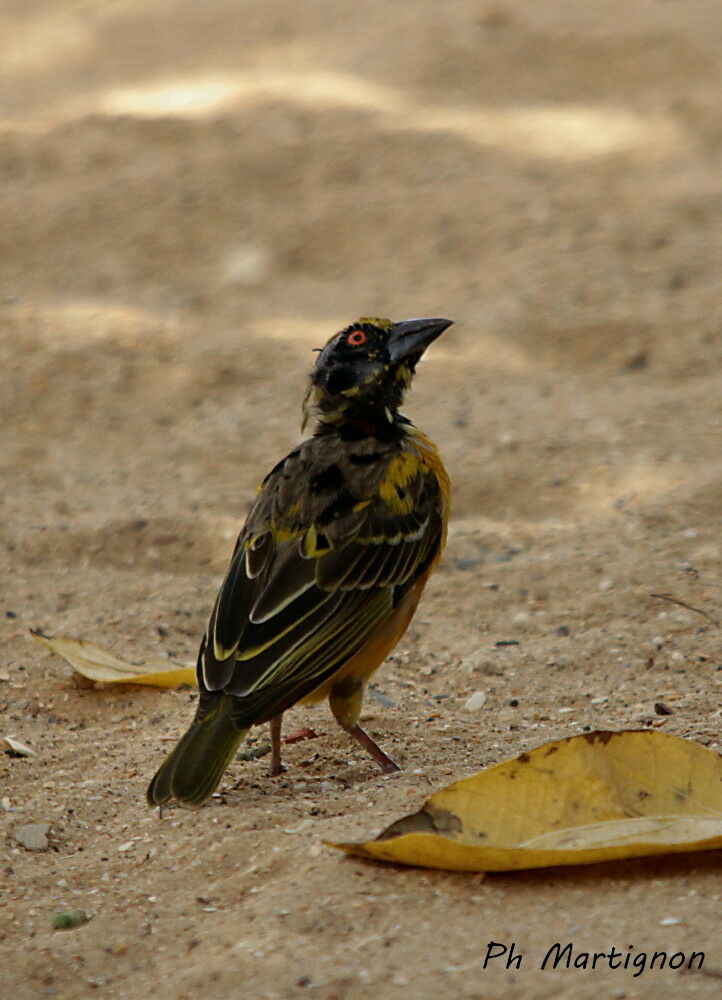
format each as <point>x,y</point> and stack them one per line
<point>193,768</point>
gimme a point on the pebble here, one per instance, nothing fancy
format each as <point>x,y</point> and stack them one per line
<point>255,753</point>
<point>33,836</point>
<point>69,920</point>
<point>381,698</point>
<point>606,584</point>
<point>303,825</point>
<point>658,642</point>
<point>475,702</point>
<point>669,921</point>
<point>661,709</point>
<point>15,748</point>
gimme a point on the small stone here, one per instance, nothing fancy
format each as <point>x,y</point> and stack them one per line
<point>14,748</point>
<point>658,642</point>
<point>254,753</point>
<point>677,657</point>
<point>33,836</point>
<point>381,698</point>
<point>563,630</point>
<point>606,584</point>
<point>661,709</point>
<point>68,920</point>
<point>669,921</point>
<point>475,702</point>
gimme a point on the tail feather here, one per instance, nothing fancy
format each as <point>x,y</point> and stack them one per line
<point>191,772</point>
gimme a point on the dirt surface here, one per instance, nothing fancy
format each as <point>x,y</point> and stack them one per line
<point>192,197</point>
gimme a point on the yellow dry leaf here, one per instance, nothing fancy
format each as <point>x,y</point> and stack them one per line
<point>99,665</point>
<point>596,797</point>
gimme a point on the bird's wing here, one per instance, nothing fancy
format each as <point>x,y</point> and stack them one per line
<point>306,589</point>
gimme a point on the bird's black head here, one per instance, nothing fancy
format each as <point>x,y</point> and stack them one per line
<point>364,371</point>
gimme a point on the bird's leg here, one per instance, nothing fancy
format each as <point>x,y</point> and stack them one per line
<point>345,699</point>
<point>276,767</point>
<point>388,766</point>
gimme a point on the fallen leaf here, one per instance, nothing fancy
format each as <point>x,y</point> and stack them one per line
<point>596,797</point>
<point>98,664</point>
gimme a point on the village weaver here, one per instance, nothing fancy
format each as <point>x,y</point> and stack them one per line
<point>330,564</point>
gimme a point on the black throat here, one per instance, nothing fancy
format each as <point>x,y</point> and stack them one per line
<point>367,422</point>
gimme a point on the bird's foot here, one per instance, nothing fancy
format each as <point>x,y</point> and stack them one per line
<point>386,763</point>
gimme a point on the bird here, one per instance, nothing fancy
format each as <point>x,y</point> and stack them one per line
<point>329,566</point>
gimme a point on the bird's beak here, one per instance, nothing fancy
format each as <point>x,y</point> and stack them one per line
<point>411,337</point>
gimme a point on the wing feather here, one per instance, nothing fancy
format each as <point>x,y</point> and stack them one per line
<point>301,597</point>
<point>317,659</point>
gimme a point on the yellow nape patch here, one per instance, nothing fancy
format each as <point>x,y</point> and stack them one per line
<point>382,324</point>
<point>399,474</point>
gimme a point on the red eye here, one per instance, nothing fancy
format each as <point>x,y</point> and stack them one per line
<point>356,338</point>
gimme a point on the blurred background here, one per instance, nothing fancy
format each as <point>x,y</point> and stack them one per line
<point>195,195</point>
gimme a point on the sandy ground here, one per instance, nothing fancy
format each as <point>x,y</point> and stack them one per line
<point>194,196</point>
